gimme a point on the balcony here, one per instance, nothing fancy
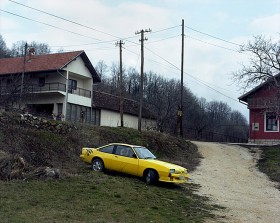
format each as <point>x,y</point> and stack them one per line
<point>46,88</point>
<point>34,88</point>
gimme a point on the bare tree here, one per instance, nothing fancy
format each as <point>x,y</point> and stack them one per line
<point>18,48</point>
<point>264,63</point>
<point>263,67</point>
<point>4,51</point>
<point>101,68</point>
<point>40,48</point>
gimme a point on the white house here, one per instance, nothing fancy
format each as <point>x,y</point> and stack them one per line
<point>57,84</point>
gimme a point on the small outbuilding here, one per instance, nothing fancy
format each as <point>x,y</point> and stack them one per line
<point>263,103</point>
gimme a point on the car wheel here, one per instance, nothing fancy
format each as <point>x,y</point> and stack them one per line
<point>97,165</point>
<point>151,177</point>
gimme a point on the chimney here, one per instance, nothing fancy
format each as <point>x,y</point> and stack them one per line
<point>31,53</point>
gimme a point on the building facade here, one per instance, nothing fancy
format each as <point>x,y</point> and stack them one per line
<point>55,85</point>
<point>264,110</point>
<point>106,108</point>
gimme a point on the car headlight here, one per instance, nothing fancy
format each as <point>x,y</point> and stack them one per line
<point>172,171</point>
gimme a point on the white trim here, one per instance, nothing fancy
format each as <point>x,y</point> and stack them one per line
<point>265,124</point>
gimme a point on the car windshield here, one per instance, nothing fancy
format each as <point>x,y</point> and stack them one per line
<point>144,153</point>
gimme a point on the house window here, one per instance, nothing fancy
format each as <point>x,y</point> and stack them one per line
<point>271,122</point>
<point>72,85</point>
<point>42,81</point>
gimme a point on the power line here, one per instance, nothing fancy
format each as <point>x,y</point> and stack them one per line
<point>83,44</point>
<point>48,25</point>
<point>197,79</point>
<point>161,30</point>
<point>212,36</point>
<point>85,26</point>
<point>171,37</point>
<point>213,44</point>
<point>76,23</point>
<point>203,83</point>
<point>193,77</point>
<point>88,27</point>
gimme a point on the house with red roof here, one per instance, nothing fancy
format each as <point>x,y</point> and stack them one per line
<point>263,103</point>
<point>58,85</point>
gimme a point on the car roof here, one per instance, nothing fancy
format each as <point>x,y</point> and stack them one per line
<point>123,144</point>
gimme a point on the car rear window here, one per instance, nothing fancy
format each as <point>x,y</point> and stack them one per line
<point>107,149</point>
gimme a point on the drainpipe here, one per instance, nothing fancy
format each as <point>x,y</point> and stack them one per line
<point>91,104</point>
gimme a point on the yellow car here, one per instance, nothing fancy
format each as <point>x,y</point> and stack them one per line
<point>134,160</point>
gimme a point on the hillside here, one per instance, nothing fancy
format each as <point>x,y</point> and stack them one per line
<point>81,195</point>
<point>55,144</point>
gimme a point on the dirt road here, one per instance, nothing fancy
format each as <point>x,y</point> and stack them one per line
<point>228,176</point>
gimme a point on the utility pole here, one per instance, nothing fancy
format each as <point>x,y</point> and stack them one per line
<point>182,82</point>
<point>120,44</point>
<point>23,71</point>
<point>142,74</point>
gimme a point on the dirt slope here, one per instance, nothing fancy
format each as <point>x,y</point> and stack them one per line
<point>228,175</point>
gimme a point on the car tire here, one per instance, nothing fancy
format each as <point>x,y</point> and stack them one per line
<point>97,165</point>
<point>151,177</point>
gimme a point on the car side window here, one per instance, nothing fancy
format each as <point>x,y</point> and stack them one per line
<point>124,151</point>
<point>107,149</point>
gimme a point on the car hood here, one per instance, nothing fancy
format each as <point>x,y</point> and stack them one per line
<point>165,164</point>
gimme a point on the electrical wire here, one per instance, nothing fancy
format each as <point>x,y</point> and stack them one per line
<point>212,36</point>
<point>33,20</point>
<point>197,79</point>
<point>126,38</point>
<point>161,30</point>
<point>85,26</point>
<point>160,40</point>
<point>76,23</point>
<point>213,44</point>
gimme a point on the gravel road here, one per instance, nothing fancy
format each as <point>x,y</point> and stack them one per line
<point>228,176</point>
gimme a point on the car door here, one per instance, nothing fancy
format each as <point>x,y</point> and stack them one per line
<point>125,160</point>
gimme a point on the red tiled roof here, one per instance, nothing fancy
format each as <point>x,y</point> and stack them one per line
<point>245,96</point>
<point>35,63</point>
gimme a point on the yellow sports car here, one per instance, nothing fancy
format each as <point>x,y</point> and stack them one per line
<point>134,160</point>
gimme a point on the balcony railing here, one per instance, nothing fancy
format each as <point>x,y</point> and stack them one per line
<point>80,91</point>
<point>48,87</point>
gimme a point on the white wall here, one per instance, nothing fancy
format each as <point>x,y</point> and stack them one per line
<point>79,100</point>
<point>112,119</point>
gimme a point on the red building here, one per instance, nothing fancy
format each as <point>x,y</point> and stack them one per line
<point>264,107</point>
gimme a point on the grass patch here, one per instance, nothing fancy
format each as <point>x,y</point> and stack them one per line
<point>269,162</point>
<point>85,196</point>
<point>99,197</point>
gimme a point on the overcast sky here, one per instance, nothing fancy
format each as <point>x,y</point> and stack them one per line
<point>213,31</point>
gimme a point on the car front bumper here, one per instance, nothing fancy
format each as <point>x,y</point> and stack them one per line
<point>175,178</point>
